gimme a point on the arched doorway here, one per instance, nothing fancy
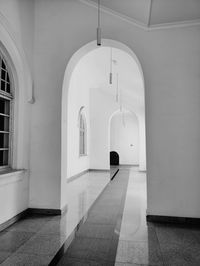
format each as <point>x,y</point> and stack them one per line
<point>114,158</point>
<point>100,149</point>
<point>124,137</point>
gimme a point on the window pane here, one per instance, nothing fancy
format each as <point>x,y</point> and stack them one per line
<point>8,87</point>
<point>3,158</point>
<point>3,85</point>
<point>3,64</point>
<point>4,106</point>
<point>4,123</point>
<point>4,77</point>
<point>4,140</point>
<point>7,78</point>
<point>8,83</point>
<point>3,74</point>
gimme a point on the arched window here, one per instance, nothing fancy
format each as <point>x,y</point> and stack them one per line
<point>6,99</point>
<point>82,133</point>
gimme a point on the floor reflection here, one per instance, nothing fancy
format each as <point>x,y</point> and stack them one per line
<point>144,243</point>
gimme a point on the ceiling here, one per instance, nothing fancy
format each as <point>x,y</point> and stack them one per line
<point>153,13</point>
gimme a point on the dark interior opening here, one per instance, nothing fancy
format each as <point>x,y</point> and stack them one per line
<point>114,158</point>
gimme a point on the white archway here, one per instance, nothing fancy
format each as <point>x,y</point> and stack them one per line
<point>129,150</point>
<point>65,94</point>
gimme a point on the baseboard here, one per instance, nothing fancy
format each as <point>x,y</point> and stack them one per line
<point>48,211</point>
<point>129,165</point>
<point>13,220</point>
<point>72,178</point>
<point>99,170</point>
<point>173,219</point>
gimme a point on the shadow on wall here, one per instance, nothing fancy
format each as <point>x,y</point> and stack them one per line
<point>114,158</point>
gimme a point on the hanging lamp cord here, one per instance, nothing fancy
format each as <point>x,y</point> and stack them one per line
<point>99,28</point>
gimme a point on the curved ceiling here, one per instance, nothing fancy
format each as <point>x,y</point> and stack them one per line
<point>152,13</point>
<point>96,67</point>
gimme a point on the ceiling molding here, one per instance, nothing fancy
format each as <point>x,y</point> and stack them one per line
<point>149,26</point>
<point>179,24</point>
<point>115,14</point>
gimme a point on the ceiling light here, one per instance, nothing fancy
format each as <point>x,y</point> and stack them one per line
<point>99,27</point>
<point>111,61</point>
<point>117,89</point>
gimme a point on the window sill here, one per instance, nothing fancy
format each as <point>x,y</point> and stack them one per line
<point>9,175</point>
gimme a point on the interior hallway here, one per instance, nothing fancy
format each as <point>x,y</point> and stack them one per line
<point>105,225</point>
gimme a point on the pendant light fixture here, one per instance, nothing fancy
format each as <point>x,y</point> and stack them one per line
<point>111,62</point>
<point>117,88</point>
<point>99,26</point>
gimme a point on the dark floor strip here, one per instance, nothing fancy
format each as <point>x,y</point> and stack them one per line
<point>114,174</point>
<point>96,241</point>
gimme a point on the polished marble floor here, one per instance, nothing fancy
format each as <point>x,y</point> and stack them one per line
<point>106,222</point>
<point>142,243</point>
<point>37,239</point>
<point>96,240</point>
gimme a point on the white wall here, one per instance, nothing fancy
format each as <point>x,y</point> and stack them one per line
<point>142,143</point>
<point>16,43</point>
<point>100,128</point>
<point>78,97</point>
<point>124,137</point>
<point>13,194</point>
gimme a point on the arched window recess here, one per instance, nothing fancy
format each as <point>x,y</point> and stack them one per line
<point>82,132</point>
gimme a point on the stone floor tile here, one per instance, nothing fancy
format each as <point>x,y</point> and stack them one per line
<point>174,234</point>
<point>89,249</point>
<point>102,218</point>
<point>90,230</point>
<point>19,259</point>
<point>176,254</point>
<point>43,245</point>
<point>29,224</point>
<point>4,255</point>
<point>56,226</point>
<point>11,241</point>
<point>139,253</point>
<point>78,262</point>
<point>130,264</point>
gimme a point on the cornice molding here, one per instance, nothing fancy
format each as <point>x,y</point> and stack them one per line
<point>148,26</point>
<point>115,14</point>
<point>171,25</point>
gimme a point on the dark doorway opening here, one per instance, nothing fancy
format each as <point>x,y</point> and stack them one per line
<point>114,158</point>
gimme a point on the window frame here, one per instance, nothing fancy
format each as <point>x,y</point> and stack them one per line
<point>8,97</point>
